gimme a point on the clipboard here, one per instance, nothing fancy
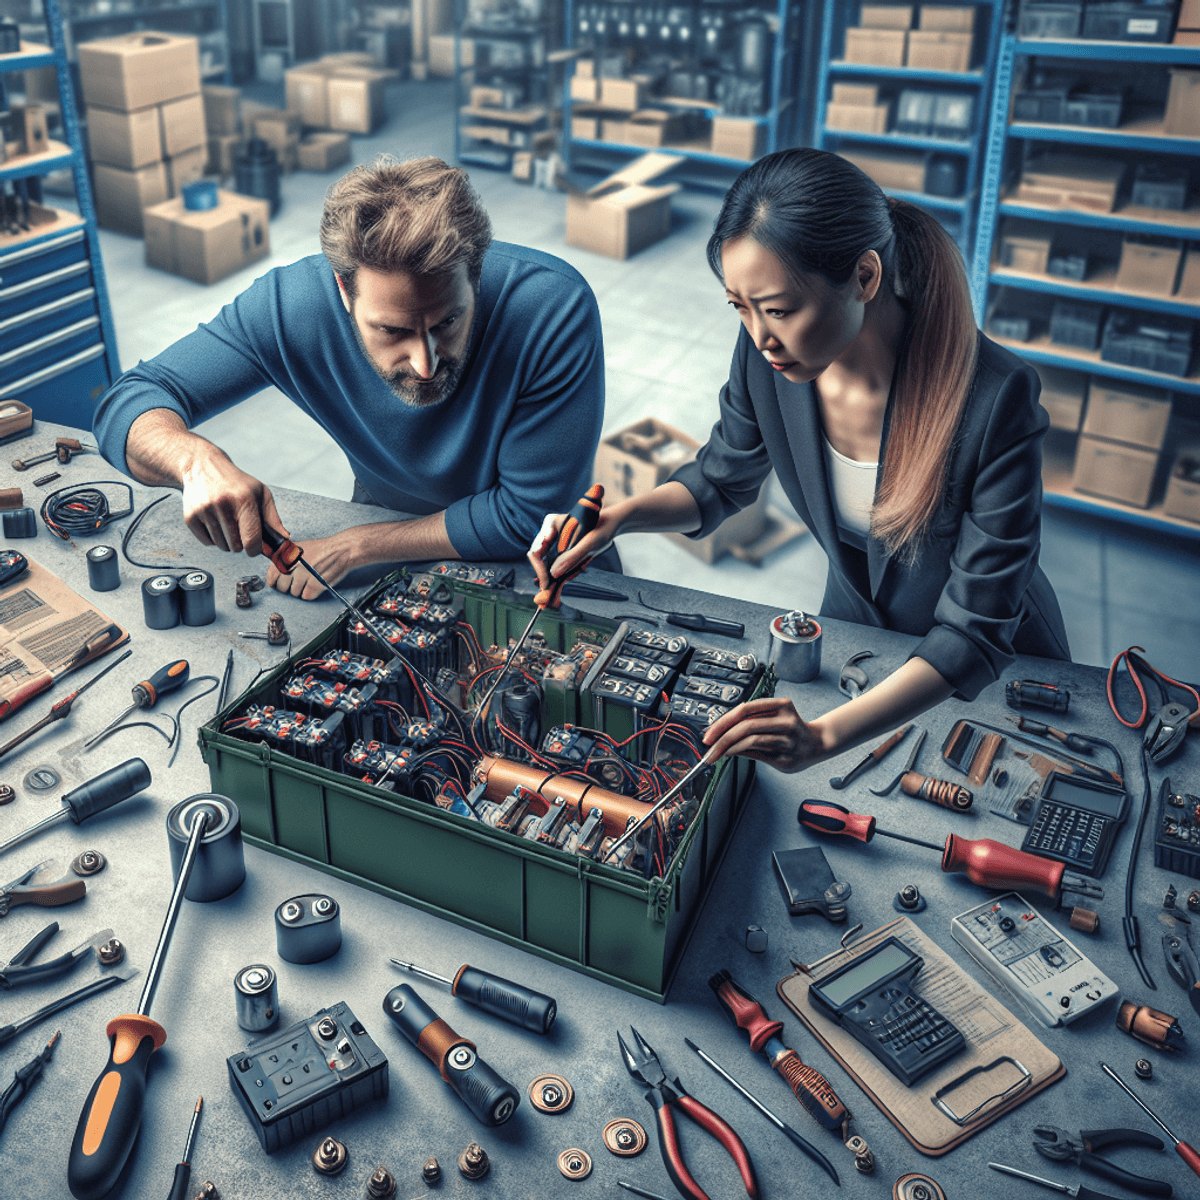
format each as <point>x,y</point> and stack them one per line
<point>1002,1066</point>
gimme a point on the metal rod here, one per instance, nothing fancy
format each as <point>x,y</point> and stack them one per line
<point>199,827</point>
<point>637,1191</point>
<point>915,841</point>
<point>407,966</point>
<point>25,834</point>
<point>226,676</point>
<point>191,1137</point>
<point>1137,1100</point>
<point>346,603</point>
<point>1058,1187</point>
<point>108,728</point>
<point>48,1010</point>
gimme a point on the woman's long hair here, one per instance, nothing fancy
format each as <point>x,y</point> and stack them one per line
<point>818,214</point>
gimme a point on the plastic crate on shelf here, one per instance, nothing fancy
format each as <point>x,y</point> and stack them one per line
<point>1155,343</point>
<point>1074,324</point>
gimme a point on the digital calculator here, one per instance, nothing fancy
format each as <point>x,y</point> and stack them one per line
<point>1076,821</point>
<point>872,999</point>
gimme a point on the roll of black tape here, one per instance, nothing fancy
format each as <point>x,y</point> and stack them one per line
<point>220,862</point>
<point>197,598</point>
<point>104,572</point>
<point>20,523</point>
<point>308,929</point>
<point>160,602</point>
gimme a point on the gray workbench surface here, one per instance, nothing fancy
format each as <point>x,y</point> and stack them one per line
<point>421,1117</point>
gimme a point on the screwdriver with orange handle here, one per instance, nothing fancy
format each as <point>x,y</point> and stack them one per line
<point>989,863</point>
<point>112,1113</point>
<point>147,694</point>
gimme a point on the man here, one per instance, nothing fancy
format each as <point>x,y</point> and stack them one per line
<point>462,378</point>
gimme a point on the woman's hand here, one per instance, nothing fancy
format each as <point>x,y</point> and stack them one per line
<point>770,730</point>
<point>607,527</point>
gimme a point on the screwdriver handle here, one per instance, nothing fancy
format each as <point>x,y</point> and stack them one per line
<point>179,1185</point>
<point>114,785</point>
<point>50,895</point>
<point>581,520</point>
<point>937,791</point>
<point>813,1090</point>
<point>512,1002</point>
<point>112,1113</point>
<point>1189,1156</point>
<point>992,864</point>
<point>283,552</point>
<point>166,679</point>
<point>826,817</point>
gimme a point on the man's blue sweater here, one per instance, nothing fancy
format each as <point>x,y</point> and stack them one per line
<point>514,441</point>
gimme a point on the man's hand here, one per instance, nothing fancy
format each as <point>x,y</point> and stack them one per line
<point>225,507</point>
<point>770,730</point>
<point>333,556</point>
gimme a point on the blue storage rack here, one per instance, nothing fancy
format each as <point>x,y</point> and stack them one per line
<point>58,348</point>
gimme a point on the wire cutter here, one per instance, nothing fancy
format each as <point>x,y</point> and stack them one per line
<point>665,1093</point>
<point>23,1080</point>
<point>37,886</point>
<point>1183,965</point>
<point>18,970</point>
<point>1058,1145</point>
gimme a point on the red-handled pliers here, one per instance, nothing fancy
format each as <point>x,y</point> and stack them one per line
<point>664,1092</point>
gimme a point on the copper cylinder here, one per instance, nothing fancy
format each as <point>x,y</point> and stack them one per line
<point>1157,1029</point>
<point>1085,920</point>
<point>502,775</point>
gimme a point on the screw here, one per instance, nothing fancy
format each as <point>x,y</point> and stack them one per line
<point>89,863</point>
<point>909,899</point>
<point>381,1185</point>
<point>208,1191</point>
<point>7,794</point>
<point>431,1172</point>
<point>1143,1068</point>
<point>241,595</point>
<point>864,1160</point>
<point>551,1095</point>
<point>330,1157</point>
<point>111,952</point>
<point>473,1161</point>
<point>624,1138</point>
<point>1193,901</point>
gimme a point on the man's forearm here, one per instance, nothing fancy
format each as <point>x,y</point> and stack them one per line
<point>160,448</point>
<point>415,540</point>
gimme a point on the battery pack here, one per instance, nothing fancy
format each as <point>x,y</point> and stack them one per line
<point>293,1083</point>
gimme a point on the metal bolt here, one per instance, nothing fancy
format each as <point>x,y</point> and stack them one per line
<point>431,1172</point>
<point>277,634</point>
<point>864,1160</point>
<point>381,1185</point>
<point>241,595</point>
<point>330,1157</point>
<point>7,794</point>
<point>473,1161</point>
<point>1143,1068</point>
<point>89,863</point>
<point>551,1095</point>
<point>111,952</point>
<point>1193,901</point>
<point>909,899</point>
<point>208,1191</point>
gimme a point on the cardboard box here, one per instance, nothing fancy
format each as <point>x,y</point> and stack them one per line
<point>1025,246</point>
<point>490,97</point>
<point>222,110</point>
<point>122,139</point>
<point>441,55</point>
<point>1149,265</point>
<point>1063,395</point>
<point>737,137</point>
<point>182,123</point>
<point>865,118</point>
<point>612,129</point>
<point>947,18</point>
<point>886,16</point>
<point>306,93</point>
<point>935,50</point>
<point>651,127</point>
<point>855,93</point>
<point>323,151</point>
<point>1183,103</point>
<point>137,70</point>
<point>357,101</point>
<point>222,149</point>
<point>876,47</point>
<point>625,212</point>
<point>1189,15</point>
<point>1121,412</point>
<point>1071,181</point>
<point>207,246</point>
<point>584,87</point>
<point>1114,471</point>
<point>1189,277</point>
<point>626,95</point>
<point>275,125</point>
<point>900,170</point>
<point>585,123</point>
<point>121,195</point>
<point>1187,37</point>
<point>1183,494</point>
<point>185,168</point>
<point>29,122</point>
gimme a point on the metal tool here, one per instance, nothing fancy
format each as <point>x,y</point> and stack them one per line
<point>112,1114</point>
<point>20,970</point>
<point>579,590</point>
<point>1072,741</point>
<point>64,450</point>
<point>701,622</point>
<point>788,1132</point>
<point>512,1002</point>
<point>1186,1152</point>
<point>92,647</point>
<point>1059,1146</point>
<point>1079,1191</point>
<point>925,787</point>
<point>637,1191</point>
<point>43,886</point>
<point>114,785</point>
<point>226,676</point>
<point>875,756</point>
<point>168,678</point>
<point>852,679</point>
<point>111,979</point>
<point>183,1169</point>
<point>62,708</point>
<point>23,1079</point>
<point>665,1093</point>
<point>1183,966</point>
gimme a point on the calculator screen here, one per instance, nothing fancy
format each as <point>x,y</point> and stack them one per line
<point>862,975</point>
<point>1106,803</point>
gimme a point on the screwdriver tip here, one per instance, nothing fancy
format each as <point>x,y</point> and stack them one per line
<point>687,1041</point>
<point>199,1103</point>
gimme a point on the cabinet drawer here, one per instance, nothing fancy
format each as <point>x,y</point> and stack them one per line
<point>49,349</point>
<point>66,391</point>
<point>41,289</point>
<point>41,258</point>
<point>31,324</point>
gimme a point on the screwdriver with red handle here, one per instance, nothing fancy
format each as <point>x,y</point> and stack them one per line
<point>1188,1153</point>
<point>983,861</point>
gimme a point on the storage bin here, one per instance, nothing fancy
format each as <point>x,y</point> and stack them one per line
<point>1155,343</point>
<point>1128,21</point>
<point>1160,183</point>
<point>1074,324</point>
<point>1041,20</point>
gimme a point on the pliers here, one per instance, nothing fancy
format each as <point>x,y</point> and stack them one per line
<point>18,971</point>
<point>665,1093</point>
<point>1061,1147</point>
<point>36,886</point>
<point>1183,965</point>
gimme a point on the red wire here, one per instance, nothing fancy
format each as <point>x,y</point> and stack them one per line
<point>1127,656</point>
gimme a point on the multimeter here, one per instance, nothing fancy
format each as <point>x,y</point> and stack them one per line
<point>872,999</point>
<point>1076,821</point>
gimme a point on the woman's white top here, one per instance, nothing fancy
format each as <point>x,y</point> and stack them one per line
<point>852,490</point>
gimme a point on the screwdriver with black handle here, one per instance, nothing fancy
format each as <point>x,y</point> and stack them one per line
<point>183,1168</point>
<point>512,1002</point>
<point>168,678</point>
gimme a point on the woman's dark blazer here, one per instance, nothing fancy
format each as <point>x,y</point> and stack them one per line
<point>976,596</point>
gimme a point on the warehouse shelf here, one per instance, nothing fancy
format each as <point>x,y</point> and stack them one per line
<point>1125,52</point>
<point>56,156</point>
<point>1144,134</point>
<point>697,150</point>
<point>1101,287</point>
<point>145,13</point>
<point>958,204</point>
<point>903,141</point>
<point>907,74</point>
<point>27,58</point>
<point>1172,223</point>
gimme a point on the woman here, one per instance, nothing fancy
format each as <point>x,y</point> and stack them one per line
<point>908,442</point>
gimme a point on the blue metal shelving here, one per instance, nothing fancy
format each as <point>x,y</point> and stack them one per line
<point>1113,139</point>
<point>1164,227</point>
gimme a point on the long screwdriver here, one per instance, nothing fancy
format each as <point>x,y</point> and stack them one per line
<point>183,1169</point>
<point>1186,1152</point>
<point>501,997</point>
<point>989,863</point>
<point>147,694</point>
<point>112,1114</point>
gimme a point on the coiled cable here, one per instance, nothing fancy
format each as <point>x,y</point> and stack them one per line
<point>82,509</point>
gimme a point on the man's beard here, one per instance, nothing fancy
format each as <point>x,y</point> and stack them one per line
<point>406,387</point>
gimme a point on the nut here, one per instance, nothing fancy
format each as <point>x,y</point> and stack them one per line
<point>625,1137</point>
<point>90,862</point>
<point>277,634</point>
<point>1193,901</point>
<point>917,1187</point>
<point>7,794</point>
<point>431,1172</point>
<point>473,1161</point>
<point>575,1164</point>
<point>1143,1069</point>
<point>381,1185</point>
<point>864,1160</point>
<point>112,952</point>
<point>909,899</point>
<point>208,1191</point>
<point>551,1094</point>
<point>330,1157</point>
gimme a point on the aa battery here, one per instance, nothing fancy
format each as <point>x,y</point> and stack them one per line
<point>308,929</point>
<point>795,647</point>
<point>256,997</point>
<point>197,598</point>
<point>220,861</point>
<point>104,573</point>
<point>160,602</point>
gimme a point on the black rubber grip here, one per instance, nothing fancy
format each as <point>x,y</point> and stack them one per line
<point>179,1185</point>
<point>489,1096</point>
<point>410,1014</point>
<point>512,1002</point>
<point>115,785</point>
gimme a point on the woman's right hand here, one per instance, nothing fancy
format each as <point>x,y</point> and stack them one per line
<point>608,525</point>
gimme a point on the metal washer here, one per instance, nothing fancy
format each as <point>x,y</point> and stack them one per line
<point>917,1187</point>
<point>41,779</point>
<point>624,1137</point>
<point>542,1094</point>
<point>575,1164</point>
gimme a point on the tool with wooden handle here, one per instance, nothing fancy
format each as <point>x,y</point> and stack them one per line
<point>924,787</point>
<point>40,887</point>
<point>877,755</point>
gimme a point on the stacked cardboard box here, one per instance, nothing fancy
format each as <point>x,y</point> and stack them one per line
<point>1187,27</point>
<point>1122,433</point>
<point>340,92</point>
<point>223,120</point>
<point>209,244</point>
<point>146,122</point>
<point>625,212</point>
<point>857,106</point>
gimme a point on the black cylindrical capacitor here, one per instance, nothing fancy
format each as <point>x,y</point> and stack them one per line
<point>308,929</point>
<point>160,601</point>
<point>20,523</point>
<point>489,1096</point>
<point>104,572</point>
<point>220,861</point>
<point>197,598</point>
<point>256,997</point>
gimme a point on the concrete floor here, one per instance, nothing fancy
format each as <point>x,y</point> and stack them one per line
<point>668,336</point>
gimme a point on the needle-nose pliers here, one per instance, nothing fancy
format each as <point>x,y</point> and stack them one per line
<point>1058,1145</point>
